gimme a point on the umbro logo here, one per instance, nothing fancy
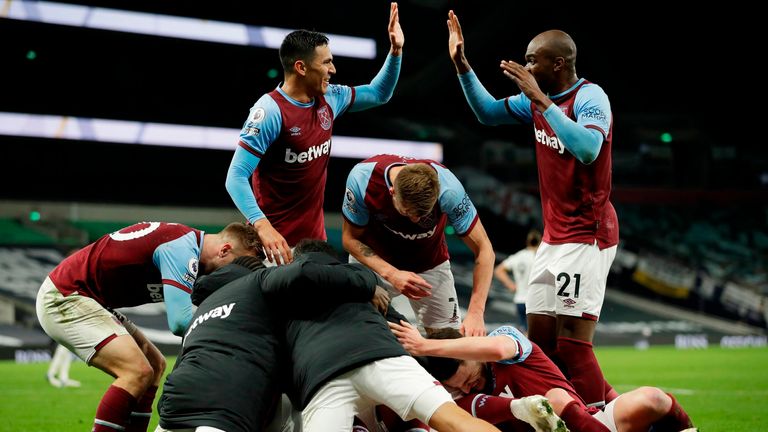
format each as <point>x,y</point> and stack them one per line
<point>295,131</point>
<point>569,302</point>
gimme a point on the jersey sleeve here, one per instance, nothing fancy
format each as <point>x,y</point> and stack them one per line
<point>592,108</point>
<point>262,127</point>
<point>489,110</point>
<point>455,202</point>
<point>177,261</point>
<point>509,262</point>
<point>259,131</point>
<point>523,344</point>
<point>339,97</point>
<point>354,208</point>
<point>381,88</point>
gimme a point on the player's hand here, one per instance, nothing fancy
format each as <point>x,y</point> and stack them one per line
<point>473,325</point>
<point>409,337</point>
<point>525,80</point>
<point>456,43</point>
<point>410,284</point>
<point>380,300</point>
<point>276,249</point>
<point>396,37</point>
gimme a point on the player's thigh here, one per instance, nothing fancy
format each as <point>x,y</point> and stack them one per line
<point>197,429</point>
<point>541,283</point>
<point>79,323</point>
<point>608,415</point>
<point>441,308</point>
<point>580,272</point>
<point>404,386</point>
<point>121,356</point>
<point>334,406</point>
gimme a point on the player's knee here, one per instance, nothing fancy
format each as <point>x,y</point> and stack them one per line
<point>558,398</point>
<point>655,401</point>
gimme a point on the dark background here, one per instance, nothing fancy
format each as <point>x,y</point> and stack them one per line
<point>664,70</point>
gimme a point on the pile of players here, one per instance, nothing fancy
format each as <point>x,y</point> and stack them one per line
<point>278,334</point>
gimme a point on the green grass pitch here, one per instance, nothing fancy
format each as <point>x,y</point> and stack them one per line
<point>723,390</point>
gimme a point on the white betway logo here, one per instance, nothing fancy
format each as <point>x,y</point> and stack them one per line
<point>549,141</point>
<point>219,312</point>
<point>416,236</point>
<point>312,153</point>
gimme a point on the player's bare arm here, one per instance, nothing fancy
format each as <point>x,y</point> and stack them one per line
<point>396,37</point>
<point>478,242</point>
<point>456,44</point>
<point>276,248</point>
<point>408,283</point>
<point>486,348</point>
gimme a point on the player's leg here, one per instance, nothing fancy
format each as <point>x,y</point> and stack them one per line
<point>60,355</point>
<point>90,331</point>
<point>142,412</point>
<point>334,406</point>
<point>450,418</point>
<point>639,409</point>
<point>574,413</point>
<point>121,358</point>
<point>580,273</point>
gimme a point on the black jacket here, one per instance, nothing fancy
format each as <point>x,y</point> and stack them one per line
<point>333,341</point>
<point>231,368</point>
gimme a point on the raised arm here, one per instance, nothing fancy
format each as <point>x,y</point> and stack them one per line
<point>381,88</point>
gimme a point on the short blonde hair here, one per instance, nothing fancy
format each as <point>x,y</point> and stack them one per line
<point>417,188</point>
<point>244,239</point>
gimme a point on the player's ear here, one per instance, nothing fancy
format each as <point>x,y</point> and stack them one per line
<point>300,67</point>
<point>559,63</point>
<point>225,250</point>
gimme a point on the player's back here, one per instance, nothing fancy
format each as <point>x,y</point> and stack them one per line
<point>119,269</point>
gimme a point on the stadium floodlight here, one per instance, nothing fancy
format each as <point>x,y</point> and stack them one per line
<point>176,135</point>
<point>172,26</point>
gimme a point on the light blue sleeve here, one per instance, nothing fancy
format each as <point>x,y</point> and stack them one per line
<point>454,201</point>
<point>354,208</point>
<point>523,343</point>
<point>492,111</point>
<point>339,97</point>
<point>583,137</point>
<point>259,131</point>
<point>178,263</point>
<point>381,88</point>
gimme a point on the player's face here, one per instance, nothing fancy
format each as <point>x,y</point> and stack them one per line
<point>469,377</point>
<point>319,71</point>
<point>539,63</point>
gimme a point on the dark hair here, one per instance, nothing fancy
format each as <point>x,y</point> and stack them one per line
<point>300,45</point>
<point>313,245</point>
<point>534,238</point>
<point>442,368</point>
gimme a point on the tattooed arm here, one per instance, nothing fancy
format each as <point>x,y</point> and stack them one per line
<point>408,283</point>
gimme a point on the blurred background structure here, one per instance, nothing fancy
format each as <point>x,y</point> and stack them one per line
<point>118,111</point>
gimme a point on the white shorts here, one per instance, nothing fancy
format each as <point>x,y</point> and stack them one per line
<point>79,323</point>
<point>397,382</point>
<point>441,308</point>
<point>569,279</point>
<point>606,415</point>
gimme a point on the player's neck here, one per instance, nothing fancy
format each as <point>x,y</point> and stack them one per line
<point>393,171</point>
<point>565,84</point>
<point>296,91</point>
